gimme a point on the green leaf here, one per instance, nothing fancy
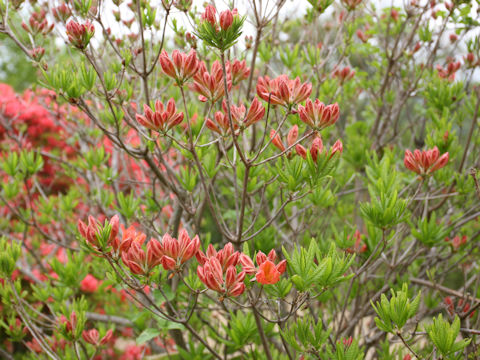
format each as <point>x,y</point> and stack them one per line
<point>147,335</point>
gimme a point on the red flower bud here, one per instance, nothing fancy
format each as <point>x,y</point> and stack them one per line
<point>226,19</point>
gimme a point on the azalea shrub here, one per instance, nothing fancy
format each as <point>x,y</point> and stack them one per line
<point>261,180</point>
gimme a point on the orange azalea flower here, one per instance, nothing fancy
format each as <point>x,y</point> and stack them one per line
<point>268,273</point>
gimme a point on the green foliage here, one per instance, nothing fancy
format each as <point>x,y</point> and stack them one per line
<point>29,163</point>
<point>444,336</point>
<point>147,335</point>
<point>347,349</point>
<point>127,204</point>
<point>385,211</point>
<point>295,172</point>
<point>196,351</point>
<point>309,268</point>
<point>220,38</point>
<point>241,329</point>
<point>71,272</point>
<point>442,94</point>
<point>67,83</point>
<point>291,173</point>
<point>306,336</point>
<point>394,313</point>
<point>9,254</point>
<point>429,232</point>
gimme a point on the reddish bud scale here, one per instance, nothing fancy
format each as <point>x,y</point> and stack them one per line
<point>362,36</point>
<point>292,135</point>
<point>62,12</point>
<point>276,141</point>
<point>210,14</point>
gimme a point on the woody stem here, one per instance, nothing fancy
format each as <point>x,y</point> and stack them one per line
<point>263,337</point>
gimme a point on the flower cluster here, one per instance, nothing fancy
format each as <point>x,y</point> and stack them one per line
<point>283,91</point>
<point>70,327</point>
<point>210,85</point>
<point>217,270</point>
<point>79,35</point>
<point>267,271</point>
<point>291,138</point>
<point>141,261</point>
<point>462,307</point>
<point>239,70</point>
<point>425,162</point>
<point>470,60</point>
<point>175,252</point>
<point>162,119</point>
<point>97,237</point>
<point>351,4</point>
<point>93,337</point>
<point>449,71</point>
<point>38,24</point>
<point>240,117</point>
<point>220,30</point>
<point>317,148</point>
<point>456,242</point>
<point>343,74</point>
<point>181,67</point>
<point>318,115</point>
<point>359,246</point>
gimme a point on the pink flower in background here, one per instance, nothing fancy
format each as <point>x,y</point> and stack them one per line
<point>239,70</point>
<point>92,337</point>
<point>89,284</point>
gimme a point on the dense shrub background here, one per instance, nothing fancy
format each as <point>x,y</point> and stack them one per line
<point>195,181</point>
